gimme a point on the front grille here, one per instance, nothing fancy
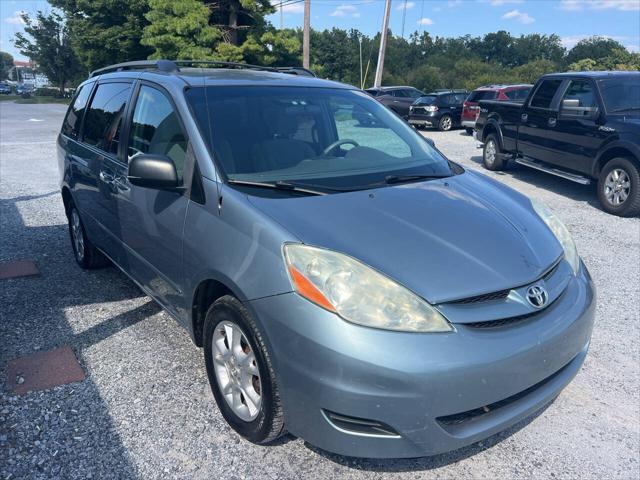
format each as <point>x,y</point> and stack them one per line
<point>501,295</point>
<point>464,417</point>
<point>503,322</point>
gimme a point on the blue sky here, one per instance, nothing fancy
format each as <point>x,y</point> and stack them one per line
<point>570,19</point>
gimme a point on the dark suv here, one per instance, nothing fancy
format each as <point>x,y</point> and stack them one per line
<point>398,99</point>
<point>440,109</point>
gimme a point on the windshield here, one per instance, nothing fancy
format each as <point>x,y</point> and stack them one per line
<point>426,100</point>
<point>621,93</point>
<point>322,136</point>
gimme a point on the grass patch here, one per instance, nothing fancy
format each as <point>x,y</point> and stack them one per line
<point>30,100</point>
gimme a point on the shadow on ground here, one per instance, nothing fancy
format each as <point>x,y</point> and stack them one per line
<point>66,432</point>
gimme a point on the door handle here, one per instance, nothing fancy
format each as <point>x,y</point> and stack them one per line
<point>524,117</point>
<point>106,177</point>
<point>552,121</point>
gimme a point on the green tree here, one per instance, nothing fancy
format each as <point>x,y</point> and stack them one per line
<point>593,47</point>
<point>530,72</point>
<point>180,30</point>
<point>238,19</point>
<point>426,78</point>
<point>104,32</point>
<point>6,64</point>
<point>46,42</point>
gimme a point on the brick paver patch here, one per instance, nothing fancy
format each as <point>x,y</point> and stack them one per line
<point>43,370</point>
<point>21,268</point>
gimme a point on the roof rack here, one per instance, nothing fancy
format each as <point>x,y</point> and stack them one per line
<point>170,66</point>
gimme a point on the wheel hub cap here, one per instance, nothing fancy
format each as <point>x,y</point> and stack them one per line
<point>236,371</point>
<point>617,187</point>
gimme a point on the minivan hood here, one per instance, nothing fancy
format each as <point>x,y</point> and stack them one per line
<point>443,239</point>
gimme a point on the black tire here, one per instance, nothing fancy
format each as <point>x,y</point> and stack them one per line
<point>469,130</point>
<point>85,253</point>
<point>269,423</point>
<point>611,188</point>
<point>492,157</point>
<point>446,123</point>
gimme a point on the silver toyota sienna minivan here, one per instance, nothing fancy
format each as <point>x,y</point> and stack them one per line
<point>348,282</point>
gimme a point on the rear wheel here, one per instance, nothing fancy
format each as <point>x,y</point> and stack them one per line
<point>618,188</point>
<point>240,372</point>
<point>445,123</point>
<point>86,255</point>
<point>492,157</point>
<point>469,130</point>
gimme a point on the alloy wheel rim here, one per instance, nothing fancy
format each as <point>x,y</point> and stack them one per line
<point>617,187</point>
<point>236,370</point>
<point>490,152</point>
<point>76,232</point>
<point>446,123</point>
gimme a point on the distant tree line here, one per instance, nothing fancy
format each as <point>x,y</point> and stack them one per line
<point>81,35</point>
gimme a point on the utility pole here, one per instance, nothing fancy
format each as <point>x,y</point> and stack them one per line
<point>281,16</point>
<point>404,17</point>
<point>383,43</point>
<point>306,33</point>
<point>360,42</point>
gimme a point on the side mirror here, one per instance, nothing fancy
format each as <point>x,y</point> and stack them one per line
<point>153,171</point>
<point>571,108</point>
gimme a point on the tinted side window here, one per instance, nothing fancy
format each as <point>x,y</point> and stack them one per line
<point>581,92</point>
<point>517,95</point>
<point>72,121</point>
<point>156,129</point>
<point>103,121</point>
<point>544,94</point>
<point>398,93</point>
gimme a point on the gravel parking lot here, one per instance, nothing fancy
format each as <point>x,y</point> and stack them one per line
<point>145,409</point>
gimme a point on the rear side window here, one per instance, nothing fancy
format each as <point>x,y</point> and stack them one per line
<point>519,95</point>
<point>72,121</point>
<point>426,100</point>
<point>156,129</point>
<point>482,95</point>
<point>103,122</point>
<point>545,93</point>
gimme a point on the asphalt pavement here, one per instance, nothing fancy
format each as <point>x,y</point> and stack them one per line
<point>145,409</point>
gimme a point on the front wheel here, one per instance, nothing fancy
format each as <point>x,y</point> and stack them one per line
<point>492,158</point>
<point>618,187</point>
<point>240,372</point>
<point>445,123</point>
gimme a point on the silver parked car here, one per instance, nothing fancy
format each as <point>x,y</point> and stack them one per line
<point>348,283</point>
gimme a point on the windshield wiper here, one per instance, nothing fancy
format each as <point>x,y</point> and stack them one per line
<point>389,179</point>
<point>276,186</point>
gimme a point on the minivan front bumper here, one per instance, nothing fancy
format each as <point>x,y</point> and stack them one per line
<point>439,392</point>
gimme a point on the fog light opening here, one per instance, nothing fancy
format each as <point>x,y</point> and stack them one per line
<point>359,426</point>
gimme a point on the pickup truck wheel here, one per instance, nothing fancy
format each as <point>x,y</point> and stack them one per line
<point>240,372</point>
<point>618,188</point>
<point>491,156</point>
<point>86,255</point>
<point>445,123</point>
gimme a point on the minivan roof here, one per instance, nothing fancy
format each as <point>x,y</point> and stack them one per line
<point>226,74</point>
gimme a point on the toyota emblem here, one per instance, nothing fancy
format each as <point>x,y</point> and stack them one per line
<point>537,296</point>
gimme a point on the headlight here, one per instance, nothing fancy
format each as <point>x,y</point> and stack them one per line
<point>561,232</point>
<point>358,293</point>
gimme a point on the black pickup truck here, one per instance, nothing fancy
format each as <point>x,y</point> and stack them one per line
<point>582,126</point>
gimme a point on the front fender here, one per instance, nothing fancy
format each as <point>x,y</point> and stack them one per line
<point>614,149</point>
